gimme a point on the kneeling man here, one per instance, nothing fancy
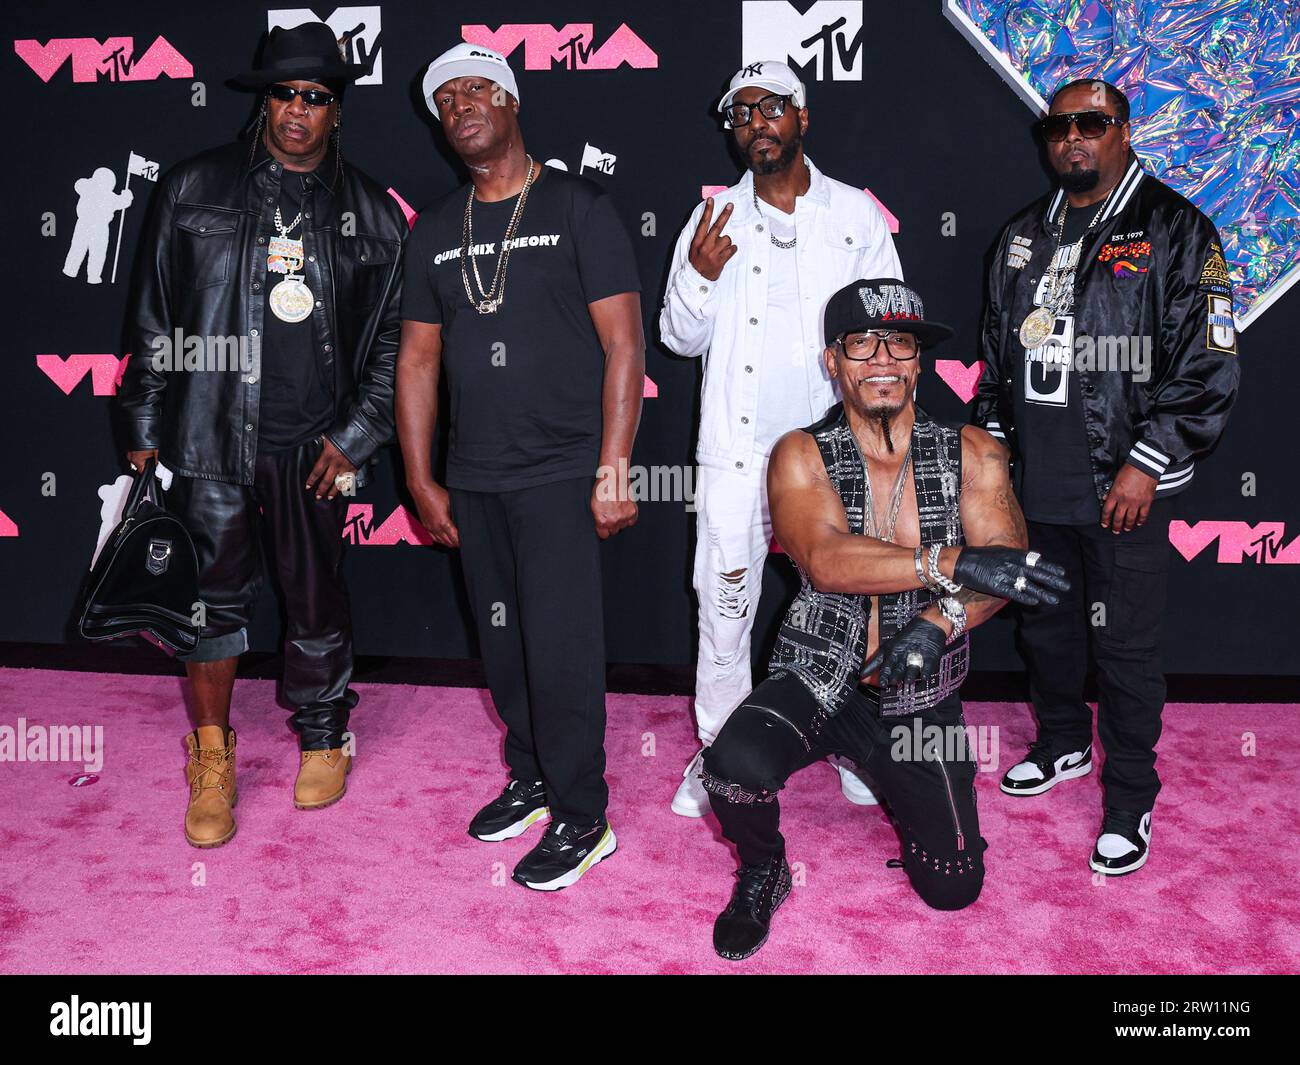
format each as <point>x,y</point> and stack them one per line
<point>906,535</point>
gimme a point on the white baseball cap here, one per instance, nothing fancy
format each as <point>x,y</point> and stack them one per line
<point>463,61</point>
<point>767,74</point>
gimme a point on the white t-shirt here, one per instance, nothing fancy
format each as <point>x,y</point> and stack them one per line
<point>783,384</point>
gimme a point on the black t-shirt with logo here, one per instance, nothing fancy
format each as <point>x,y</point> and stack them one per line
<point>297,397</point>
<point>1057,486</point>
<point>526,381</point>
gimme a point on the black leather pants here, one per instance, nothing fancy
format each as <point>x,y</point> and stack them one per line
<point>233,526</point>
<point>773,734</point>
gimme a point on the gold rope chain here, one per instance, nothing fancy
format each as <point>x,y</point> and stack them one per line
<point>489,300</point>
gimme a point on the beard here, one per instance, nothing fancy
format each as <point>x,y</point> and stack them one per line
<point>789,150</point>
<point>1077,179</point>
<point>883,418</point>
<point>882,413</point>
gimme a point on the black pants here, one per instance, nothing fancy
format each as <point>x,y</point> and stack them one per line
<point>1116,607</point>
<point>929,792</point>
<point>532,569</point>
<point>229,524</point>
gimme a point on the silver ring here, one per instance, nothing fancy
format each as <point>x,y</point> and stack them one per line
<point>1031,559</point>
<point>346,482</point>
<point>915,658</point>
<point>1020,583</point>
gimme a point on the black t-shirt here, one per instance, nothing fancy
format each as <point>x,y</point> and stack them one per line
<point>297,397</point>
<point>526,381</point>
<point>1057,486</point>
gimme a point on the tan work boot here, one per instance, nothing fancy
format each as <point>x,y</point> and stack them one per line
<point>322,778</point>
<point>209,821</point>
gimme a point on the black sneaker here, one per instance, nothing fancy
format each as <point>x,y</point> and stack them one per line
<point>522,804</point>
<point>564,853</point>
<point>1124,843</point>
<point>743,926</point>
<point>1044,767</point>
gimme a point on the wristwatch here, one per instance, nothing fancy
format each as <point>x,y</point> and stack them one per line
<point>955,611</point>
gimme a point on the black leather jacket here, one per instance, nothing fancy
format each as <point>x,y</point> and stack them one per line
<point>1152,268</point>
<point>201,269</point>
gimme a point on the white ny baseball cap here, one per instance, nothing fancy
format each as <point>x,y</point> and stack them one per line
<point>463,61</point>
<point>767,74</point>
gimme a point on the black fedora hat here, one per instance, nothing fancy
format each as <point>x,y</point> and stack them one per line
<point>309,52</point>
<point>883,303</point>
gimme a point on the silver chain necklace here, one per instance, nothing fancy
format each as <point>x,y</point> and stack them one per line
<point>1040,322</point>
<point>281,227</point>
<point>895,499</point>
<point>784,244</point>
<point>492,298</point>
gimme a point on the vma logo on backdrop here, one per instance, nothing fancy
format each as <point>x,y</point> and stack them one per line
<point>827,38</point>
<point>400,527</point>
<point>573,46</point>
<point>115,59</point>
<point>358,31</point>
<point>1238,542</point>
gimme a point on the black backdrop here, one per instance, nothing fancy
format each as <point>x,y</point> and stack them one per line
<point>930,127</point>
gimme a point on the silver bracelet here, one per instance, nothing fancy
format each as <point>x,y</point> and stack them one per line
<point>955,611</point>
<point>920,571</point>
<point>951,587</point>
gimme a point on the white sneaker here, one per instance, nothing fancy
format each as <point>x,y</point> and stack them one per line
<point>1124,843</point>
<point>1043,769</point>
<point>691,799</point>
<point>852,785</point>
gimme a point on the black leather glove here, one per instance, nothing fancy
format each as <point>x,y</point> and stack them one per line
<point>918,636</point>
<point>998,571</point>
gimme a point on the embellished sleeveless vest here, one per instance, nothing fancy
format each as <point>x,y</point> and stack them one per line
<point>823,638</point>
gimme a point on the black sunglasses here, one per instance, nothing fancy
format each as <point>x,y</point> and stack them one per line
<point>859,347</point>
<point>770,106</point>
<point>1092,124</point>
<point>311,97</point>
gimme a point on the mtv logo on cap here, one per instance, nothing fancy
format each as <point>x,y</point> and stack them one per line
<point>827,37</point>
<point>357,29</point>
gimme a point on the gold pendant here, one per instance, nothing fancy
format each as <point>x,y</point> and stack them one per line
<point>1037,327</point>
<point>488,306</point>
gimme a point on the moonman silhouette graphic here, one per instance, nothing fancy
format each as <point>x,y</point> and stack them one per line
<point>96,206</point>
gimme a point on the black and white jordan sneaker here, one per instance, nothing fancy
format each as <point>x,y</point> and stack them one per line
<point>510,814</point>
<point>564,854</point>
<point>1124,843</point>
<point>743,926</point>
<point>1043,768</point>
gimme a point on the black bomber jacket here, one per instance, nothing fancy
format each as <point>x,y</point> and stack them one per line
<point>201,269</point>
<point>1152,267</point>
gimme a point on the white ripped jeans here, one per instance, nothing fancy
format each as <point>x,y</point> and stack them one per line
<point>733,534</point>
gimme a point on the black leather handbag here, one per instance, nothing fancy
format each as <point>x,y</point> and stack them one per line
<point>146,580</point>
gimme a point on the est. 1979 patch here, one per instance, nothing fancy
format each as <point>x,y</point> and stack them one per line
<point>1221,329</point>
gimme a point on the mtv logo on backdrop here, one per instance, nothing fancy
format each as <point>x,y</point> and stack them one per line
<point>573,46</point>
<point>596,159</point>
<point>1263,543</point>
<point>357,29</point>
<point>827,37</point>
<point>116,59</point>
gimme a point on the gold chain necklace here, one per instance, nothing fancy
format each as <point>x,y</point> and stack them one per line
<point>492,298</point>
<point>1040,322</point>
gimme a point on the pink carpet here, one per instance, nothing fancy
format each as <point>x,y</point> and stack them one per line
<point>99,879</point>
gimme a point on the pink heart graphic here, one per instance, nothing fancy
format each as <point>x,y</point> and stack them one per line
<point>961,378</point>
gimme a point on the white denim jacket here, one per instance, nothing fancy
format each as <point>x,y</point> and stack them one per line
<point>842,236</point>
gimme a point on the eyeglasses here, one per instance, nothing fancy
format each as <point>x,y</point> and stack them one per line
<point>862,346</point>
<point>1092,124</point>
<point>770,106</point>
<point>311,97</point>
